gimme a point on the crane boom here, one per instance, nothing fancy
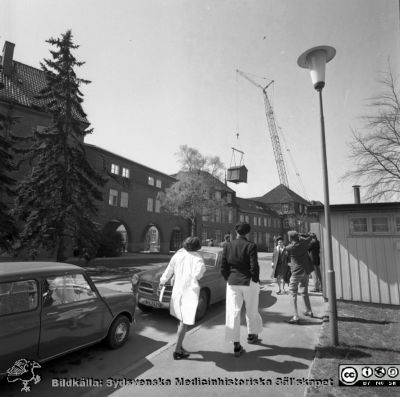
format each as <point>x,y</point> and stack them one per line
<point>276,145</point>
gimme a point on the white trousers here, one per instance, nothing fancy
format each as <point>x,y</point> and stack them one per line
<point>235,296</point>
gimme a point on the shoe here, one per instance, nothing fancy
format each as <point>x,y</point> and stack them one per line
<point>315,290</point>
<point>238,351</point>
<point>279,293</point>
<point>309,314</point>
<point>252,339</point>
<point>180,355</point>
<point>294,320</point>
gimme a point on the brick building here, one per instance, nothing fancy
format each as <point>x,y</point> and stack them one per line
<point>290,206</point>
<point>265,222</point>
<point>130,203</point>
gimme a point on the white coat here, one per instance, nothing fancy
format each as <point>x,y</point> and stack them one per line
<point>187,267</point>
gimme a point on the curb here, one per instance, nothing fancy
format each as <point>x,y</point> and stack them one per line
<point>307,390</point>
<point>144,360</point>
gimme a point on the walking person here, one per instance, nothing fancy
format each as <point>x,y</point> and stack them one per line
<point>241,271</point>
<point>279,264</point>
<point>314,252</point>
<point>300,266</point>
<point>187,267</point>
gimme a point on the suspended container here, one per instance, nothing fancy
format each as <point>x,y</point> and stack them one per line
<point>237,173</point>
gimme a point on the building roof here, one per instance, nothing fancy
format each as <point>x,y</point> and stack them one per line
<point>24,85</point>
<point>217,183</point>
<point>107,152</point>
<point>281,194</point>
<point>252,206</point>
<point>357,207</point>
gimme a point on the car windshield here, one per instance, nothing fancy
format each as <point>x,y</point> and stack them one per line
<point>209,258</point>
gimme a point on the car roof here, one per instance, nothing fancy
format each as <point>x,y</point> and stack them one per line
<point>19,269</point>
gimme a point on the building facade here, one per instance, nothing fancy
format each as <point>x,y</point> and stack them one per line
<point>265,223</point>
<point>130,204</point>
<point>366,250</point>
<point>292,208</point>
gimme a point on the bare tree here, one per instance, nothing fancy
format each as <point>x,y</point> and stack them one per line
<point>192,160</point>
<point>193,195</point>
<point>375,151</point>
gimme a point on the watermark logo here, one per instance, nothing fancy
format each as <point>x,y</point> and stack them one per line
<point>367,372</point>
<point>392,372</point>
<point>380,372</point>
<point>348,375</point>
<point>24,371</point>
<point>369,375</point>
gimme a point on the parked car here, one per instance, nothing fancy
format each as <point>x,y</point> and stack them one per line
<point>48,309</point>
<point>212,284</point>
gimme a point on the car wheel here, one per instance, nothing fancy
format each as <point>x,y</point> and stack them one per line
<point>118,332</point>
<point>145,308</point>
<point>203,305</point>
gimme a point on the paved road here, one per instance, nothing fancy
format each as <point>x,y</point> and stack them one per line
<point>151,332</point>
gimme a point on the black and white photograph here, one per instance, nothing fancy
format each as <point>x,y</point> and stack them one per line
<point>199,197</point>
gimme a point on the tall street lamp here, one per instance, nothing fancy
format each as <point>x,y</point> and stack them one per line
<point>315,60</point>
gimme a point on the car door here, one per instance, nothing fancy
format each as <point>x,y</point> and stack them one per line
<point>221,281</point>
<point>72,316</point>
<point>213,279</point>
<point>19,321</point>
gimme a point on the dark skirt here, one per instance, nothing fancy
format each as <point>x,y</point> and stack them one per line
<point>280,270</point>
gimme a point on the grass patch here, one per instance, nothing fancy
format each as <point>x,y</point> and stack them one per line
<point>368,334</point>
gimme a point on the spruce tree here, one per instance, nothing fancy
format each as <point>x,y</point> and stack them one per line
<point>8,231</point>
<point>58,200</point>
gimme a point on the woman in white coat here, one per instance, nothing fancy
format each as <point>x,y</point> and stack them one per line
<point>188,267</point>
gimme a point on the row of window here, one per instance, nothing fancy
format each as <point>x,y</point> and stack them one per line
<point>113,198</point>
<point>261,221</point>
<point>125,173</point>
<point>374,224</point>
<point>153,205</point>
<point>261,238</point>
<point>154,182</point>
<point>219,216</point>
<point>115,170</point>
<point>218,196</point>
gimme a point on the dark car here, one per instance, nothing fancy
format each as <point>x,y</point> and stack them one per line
<point>212,284</point>
<point>48,309</point>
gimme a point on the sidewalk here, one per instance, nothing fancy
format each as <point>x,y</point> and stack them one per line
<point>270,368</point>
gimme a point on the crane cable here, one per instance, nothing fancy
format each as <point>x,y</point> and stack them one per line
<point>286,147</point>
<point>287,150</point>
<point>233,157</point>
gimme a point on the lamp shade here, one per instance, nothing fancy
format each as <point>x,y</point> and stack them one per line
<point>315,60</point>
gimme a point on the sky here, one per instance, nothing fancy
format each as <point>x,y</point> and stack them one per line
<point>164,73</point>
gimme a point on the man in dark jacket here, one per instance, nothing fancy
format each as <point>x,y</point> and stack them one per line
<point>242,273</point>
<point>300,266</point>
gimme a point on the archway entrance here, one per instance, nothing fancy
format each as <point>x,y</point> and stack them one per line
<point>176,240</point>
<point>116,226</point>
<point>152,240</point>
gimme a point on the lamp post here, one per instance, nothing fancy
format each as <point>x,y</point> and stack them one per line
<point>315,60</point>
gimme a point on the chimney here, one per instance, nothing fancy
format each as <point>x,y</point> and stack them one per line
<point>356,189</point>
<point>7,59</point>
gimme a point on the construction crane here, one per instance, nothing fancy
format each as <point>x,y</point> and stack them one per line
<point>276,145</point>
